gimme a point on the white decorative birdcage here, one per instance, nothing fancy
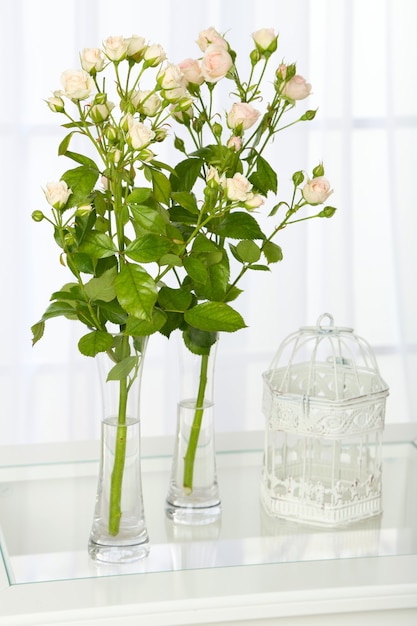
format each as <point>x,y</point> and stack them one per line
<point>324,405</point>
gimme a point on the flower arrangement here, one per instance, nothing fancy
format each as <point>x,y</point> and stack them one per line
<point>157,246</point>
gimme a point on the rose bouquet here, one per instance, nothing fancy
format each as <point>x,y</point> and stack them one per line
<point>157,246</point>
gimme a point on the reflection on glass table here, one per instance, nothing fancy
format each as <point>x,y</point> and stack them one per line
<point>46,511</point>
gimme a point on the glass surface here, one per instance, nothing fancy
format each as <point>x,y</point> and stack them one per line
<point>46,511</point>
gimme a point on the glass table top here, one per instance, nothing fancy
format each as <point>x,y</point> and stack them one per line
<point>46,512</point>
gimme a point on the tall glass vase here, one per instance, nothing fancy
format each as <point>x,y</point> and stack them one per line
<point>119,533</point>
<point>193,493</point>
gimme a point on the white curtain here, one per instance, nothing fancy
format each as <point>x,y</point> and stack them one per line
<point>360,57</point>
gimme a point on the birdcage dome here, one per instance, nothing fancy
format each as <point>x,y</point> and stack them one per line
<point>324,380</point>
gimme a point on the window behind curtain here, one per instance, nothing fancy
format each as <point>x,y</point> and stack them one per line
<point>360,265</point>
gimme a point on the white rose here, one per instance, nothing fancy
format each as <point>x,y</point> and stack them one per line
<point>115,48</point>
<point>92,60</point>
<point>135,47</point>
<point>210,36</point>
<point>57,194</point>
<point>77,84</point>
<point>265,39</point>
<point>317,190</point>
<point>242,115</point>
<point>154,55</point>
<point>170,77</point>
<point>297,88</point>
<point>139,134</point>
<point>238,188</point>
<point>56,103</point>
<point>146,102</point>
<point>100,112</point>
<point>216,63</point>
<point>213,176</point>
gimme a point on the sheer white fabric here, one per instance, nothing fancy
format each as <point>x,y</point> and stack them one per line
<point>360,57</point>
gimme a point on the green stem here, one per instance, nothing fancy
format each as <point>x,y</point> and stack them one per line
<point>191,451</point>
<point>115,512</point>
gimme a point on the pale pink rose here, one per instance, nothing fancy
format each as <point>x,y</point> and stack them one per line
<point>115,48</point>
<point>211,36</point>
<point>253,201</point>
<point>297,88</point>
<point>92,60</point>
<point>139,134</point>
<point>57,194</point>
<point>135,46</point>
<point>238,188</point>
<point>77,84</point>
<point>234,143</point>
<point>146,102</point>
<point>191,71</point>
<point>281,71</point>
<point>242,115</point>
<point>317,190</point>
<point>265,39</point>
<point>216,63</point>
<point>154,55</point>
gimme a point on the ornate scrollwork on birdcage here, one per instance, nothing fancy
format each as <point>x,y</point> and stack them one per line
<point>324,404</point>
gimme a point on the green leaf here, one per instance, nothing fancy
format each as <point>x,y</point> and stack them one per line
<point>173,321</point>
<point>56,309</point>
<point>259,268</point>
<point>122,369</point>
<point>102,288</point>
<point>148,219</point>
<point>239,225</point>
<point>272,252</point>
<point>81,181</point>
<point>139,195</point>
<point>186,200</point>
<point>181,215</point>
<point>264,178</point>
<point>136,291</point>
<point>97,245</point>
<point>140,328</point>
<point>111,311</point>
<point>248,251</point>
<point>38,330</point>
<point>161,186</point>
<point>170,259</point>
<point>276,208</point>
<point>148,248</point>
<point>95,342</point>
<point>80,158</point>
<point>195,268</point>
<point>218,274</point>
<point>186,173</point>
<point>214,316</point>
<point>199,341</point>
<point>174,299</point>
<point>63,146</point>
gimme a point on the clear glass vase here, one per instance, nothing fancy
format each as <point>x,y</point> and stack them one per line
<point>193,493</point>
<point>119,533</point>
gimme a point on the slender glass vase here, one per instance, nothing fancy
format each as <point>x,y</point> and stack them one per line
<point>193,493</point>
<point>119,533</point>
